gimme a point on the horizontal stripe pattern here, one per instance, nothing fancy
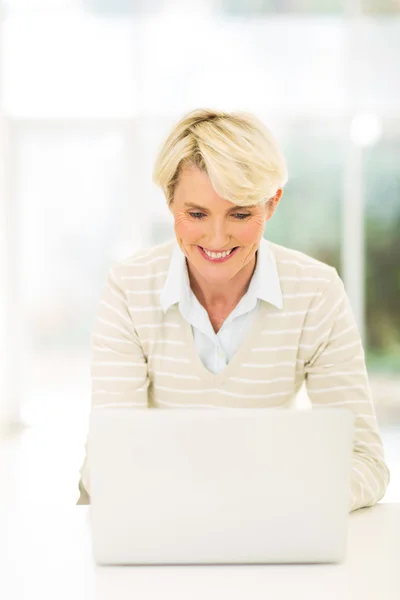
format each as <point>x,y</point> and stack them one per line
<point>142,358</point>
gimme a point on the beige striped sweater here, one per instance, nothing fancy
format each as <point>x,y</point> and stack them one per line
<point>142,357</point>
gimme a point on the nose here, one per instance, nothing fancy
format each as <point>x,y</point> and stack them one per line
<point>217,237</point>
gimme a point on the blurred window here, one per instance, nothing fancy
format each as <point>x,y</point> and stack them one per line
<point>382,229</point>
<point>308,216</point>
<point>259,7</point>
<point>47,75</point>
<point>380,7</point>
<point>71,192</point>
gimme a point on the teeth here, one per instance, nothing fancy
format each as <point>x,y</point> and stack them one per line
<point>217,254</point>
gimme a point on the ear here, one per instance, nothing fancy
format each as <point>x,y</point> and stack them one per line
<point>272,203</point>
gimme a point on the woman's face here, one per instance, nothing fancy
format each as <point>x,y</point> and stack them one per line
<point>205,222</point>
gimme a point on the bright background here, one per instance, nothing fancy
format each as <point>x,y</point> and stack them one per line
<point>89,89</point>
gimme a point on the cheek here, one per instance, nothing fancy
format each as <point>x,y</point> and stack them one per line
<point>188,231</point>
<point>251,232</point>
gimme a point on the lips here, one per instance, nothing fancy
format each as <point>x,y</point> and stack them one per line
<point>221,259</point>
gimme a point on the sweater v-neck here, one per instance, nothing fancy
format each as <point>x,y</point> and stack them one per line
<point>216,379</point>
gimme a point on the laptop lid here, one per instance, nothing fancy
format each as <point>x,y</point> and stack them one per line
<point>219,486</point>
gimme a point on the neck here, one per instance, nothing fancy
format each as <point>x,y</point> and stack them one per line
<point>221,295</point>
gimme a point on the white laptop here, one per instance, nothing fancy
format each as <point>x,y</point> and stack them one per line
<point>208,486</point>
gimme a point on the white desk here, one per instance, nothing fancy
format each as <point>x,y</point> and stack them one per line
<point>45,553</point>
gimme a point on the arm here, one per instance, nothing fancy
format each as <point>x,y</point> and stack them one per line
<point>336,375</point>
<point>118,368</point>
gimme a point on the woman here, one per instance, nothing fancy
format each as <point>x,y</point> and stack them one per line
<point>220,317</point>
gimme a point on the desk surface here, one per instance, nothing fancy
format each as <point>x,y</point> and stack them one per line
<point>46,553</point>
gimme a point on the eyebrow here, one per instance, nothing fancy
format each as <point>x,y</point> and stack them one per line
<point>191,205</point>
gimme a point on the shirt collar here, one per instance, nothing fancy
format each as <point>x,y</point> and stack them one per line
<point>264,284</point>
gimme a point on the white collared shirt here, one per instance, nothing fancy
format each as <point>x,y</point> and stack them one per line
<point>217,349</point>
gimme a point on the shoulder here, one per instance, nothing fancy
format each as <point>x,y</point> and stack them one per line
<point>306,283</point>
<point>147,256</point>
<point>146,263</point>
<point>293,265</point>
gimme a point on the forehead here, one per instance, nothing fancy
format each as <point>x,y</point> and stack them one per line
<point>194,188</point>
<point>193,182</point>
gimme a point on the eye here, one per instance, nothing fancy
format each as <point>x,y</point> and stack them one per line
<point>242,216</point>
<point>238,216</point>
<point>197,215</point>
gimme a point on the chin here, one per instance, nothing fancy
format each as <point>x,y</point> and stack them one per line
<point>216,275</point>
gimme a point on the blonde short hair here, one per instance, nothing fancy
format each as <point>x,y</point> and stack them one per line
<point>236,150</point>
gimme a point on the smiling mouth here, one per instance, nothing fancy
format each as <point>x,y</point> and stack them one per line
<point>218,256</point>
